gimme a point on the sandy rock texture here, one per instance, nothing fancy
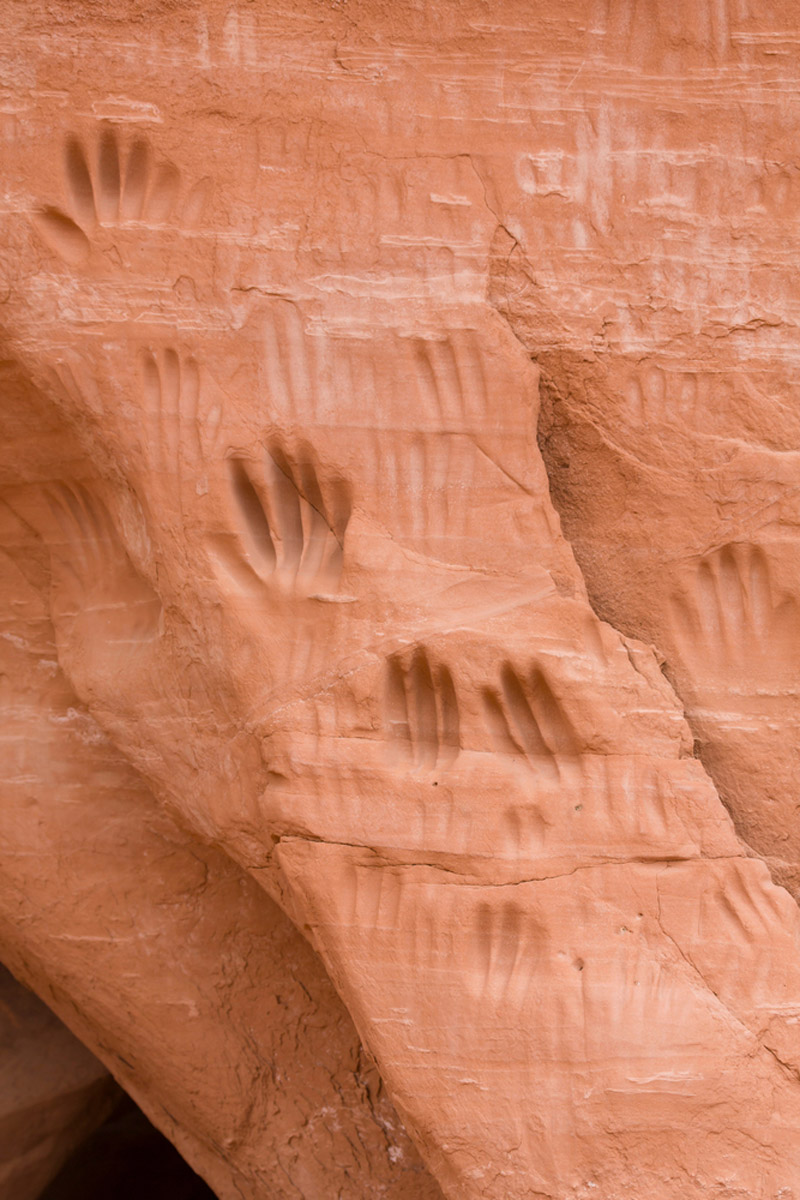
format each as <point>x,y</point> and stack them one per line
<point>400,612</point>
<point>167,959</point>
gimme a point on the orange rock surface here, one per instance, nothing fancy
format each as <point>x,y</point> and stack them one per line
<point>400,582</point>
<point>167,959</point>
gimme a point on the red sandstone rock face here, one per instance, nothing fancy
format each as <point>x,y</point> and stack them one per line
<point>168,960</point>
<point>274,285</point>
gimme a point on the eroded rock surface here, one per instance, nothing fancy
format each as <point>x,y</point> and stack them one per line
<point>282,292</point>
<point>165,958</point>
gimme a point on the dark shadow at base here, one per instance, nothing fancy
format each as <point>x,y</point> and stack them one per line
<point>127,1159</point>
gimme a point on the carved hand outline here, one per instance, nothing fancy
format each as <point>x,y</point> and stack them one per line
<point>109,188</point>
<point>529,722</point>
<point>182,421</point>
<point>421,711</point>
<point>289,537</point>
<point>727,623</point>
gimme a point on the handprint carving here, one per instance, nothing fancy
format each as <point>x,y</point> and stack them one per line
<point>288,535</point>
<point>424,478</point>
<point>171,387</point>
<point>294,363</point>
<point>528,721</point>
<point>727,623</point>
<point>421,708</point>
<point>734,632</point>
<point>505,952</point>
<point>450,381</point>
<point>112,185</point>
<point>439,476</point>
<point>732,939</point>
<point>182,421</point>
<point>677,394</point>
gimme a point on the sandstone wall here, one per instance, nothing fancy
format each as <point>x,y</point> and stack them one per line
<point>335,663</point>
